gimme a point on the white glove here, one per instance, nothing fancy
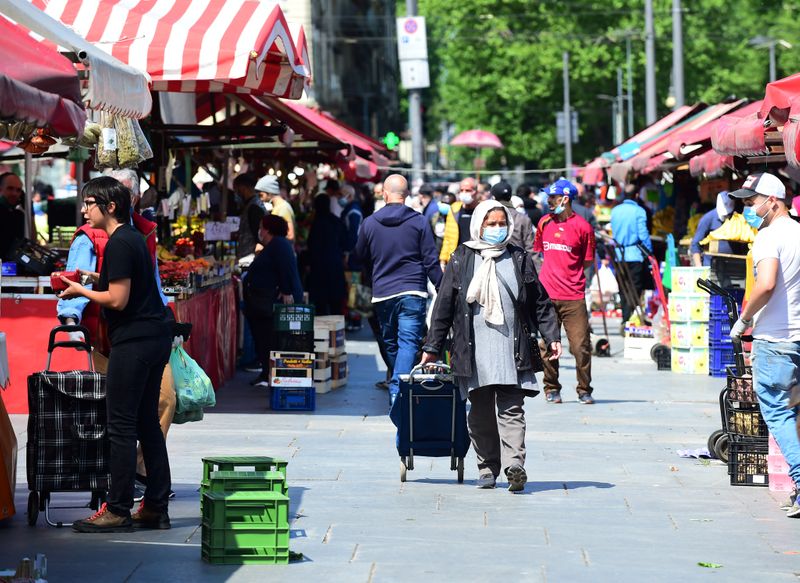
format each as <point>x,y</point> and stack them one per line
<point>739,328</point>
<point>76,336</point>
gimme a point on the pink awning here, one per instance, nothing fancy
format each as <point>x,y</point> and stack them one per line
<point>592,173</point>
<point>658,127</point>
<point>687,141</point>
<point>740,133</point>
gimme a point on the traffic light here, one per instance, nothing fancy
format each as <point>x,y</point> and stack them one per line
<point>391,140</point>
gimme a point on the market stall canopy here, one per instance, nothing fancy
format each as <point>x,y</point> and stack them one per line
<point>592,173</point>
<point>689,141</point>
<point>477,139</point>
<point>710,164</point>
<point>38,85</point>
<point>740,133</point>
<point>231,46</point>
<point>113,86</point>
<point>781,107</point>
<point>633,145</point>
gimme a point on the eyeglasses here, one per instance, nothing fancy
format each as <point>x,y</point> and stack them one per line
<point>87,203</point>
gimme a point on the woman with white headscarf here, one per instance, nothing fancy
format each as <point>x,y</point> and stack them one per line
<point>491,298</point>
<point>711,221</point>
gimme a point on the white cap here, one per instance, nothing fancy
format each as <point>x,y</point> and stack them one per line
<point>268,184</point>
<point>517,202</point>
<point>765,184</point>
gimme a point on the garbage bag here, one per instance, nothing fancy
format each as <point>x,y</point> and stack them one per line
<point>193,388</point>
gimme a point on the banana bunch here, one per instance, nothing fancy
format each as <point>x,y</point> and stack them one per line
<point>734,229</point>
<point>664,222</point>
<point>164,255</point>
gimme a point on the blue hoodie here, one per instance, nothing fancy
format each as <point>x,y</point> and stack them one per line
<point>398,253</point>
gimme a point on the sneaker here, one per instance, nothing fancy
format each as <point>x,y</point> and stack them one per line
<point>517,478</point>
<point>383,385</point>
<point>138,491</point>
<point>103,521</point>
<point>486,481</point>
<point>145,517</point>
<point>794,510</point>
<point>586,399</point>
<point>790,501</point>
<point>553,397</point>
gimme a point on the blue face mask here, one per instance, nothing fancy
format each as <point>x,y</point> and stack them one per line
<point>495,235</point>
<point>559,209</point>
<point>752,217</point>
<point>343,202</point>
<point>444,208</point>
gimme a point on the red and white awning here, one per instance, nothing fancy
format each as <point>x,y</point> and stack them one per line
<point>232,46</point>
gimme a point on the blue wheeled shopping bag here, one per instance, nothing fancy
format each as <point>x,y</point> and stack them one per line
<point>431,419</point>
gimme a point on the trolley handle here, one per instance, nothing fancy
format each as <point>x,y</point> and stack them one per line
<point>714,289</point>
<point>421,368</point>
<point>76,344</point>
<point>645,251</point>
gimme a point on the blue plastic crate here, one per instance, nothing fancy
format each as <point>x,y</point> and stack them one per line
<point>294,399</point>
<point>719,330</point>
<point>718,304</point>
<point>720,356</point>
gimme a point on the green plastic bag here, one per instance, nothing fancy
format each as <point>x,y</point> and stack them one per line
<point>192,385</point>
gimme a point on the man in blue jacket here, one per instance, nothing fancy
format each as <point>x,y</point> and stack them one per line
<point>399,256</point>
<point>629,228</point>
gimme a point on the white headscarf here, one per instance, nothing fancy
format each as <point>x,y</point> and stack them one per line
<point>484,287</point>
<point>725,205</point>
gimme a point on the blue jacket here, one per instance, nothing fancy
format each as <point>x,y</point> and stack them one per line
<point>352,216</point>
<point>709,222</point>
<point>397,251</point>
<point>275,268</point>
<point>629,226</point>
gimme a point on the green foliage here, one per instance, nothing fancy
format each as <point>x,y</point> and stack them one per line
<point>497,64</point>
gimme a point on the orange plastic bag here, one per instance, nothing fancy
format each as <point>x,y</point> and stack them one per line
<point>8,468</point>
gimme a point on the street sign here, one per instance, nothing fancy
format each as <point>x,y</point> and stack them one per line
<point>414,74</point>
<point>412,38</point>
<point>560,130</point>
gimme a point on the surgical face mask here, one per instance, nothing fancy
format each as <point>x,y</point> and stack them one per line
<point>466,197</point>
<point>752,217</point>
<point>560,208</point>
<point>495,235</point>
<point>342,202</point>
<point>444,208</point>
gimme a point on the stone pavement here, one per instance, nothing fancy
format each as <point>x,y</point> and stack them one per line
<point>608,499</point>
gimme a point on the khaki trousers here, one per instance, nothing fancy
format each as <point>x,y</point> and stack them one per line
<point>497,427</point>
<point>575,319</point>
<point>167,401</point>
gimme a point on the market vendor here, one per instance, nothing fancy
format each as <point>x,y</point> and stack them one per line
<point>268,185</point>
<point>712,221</point>
<point>250,216</point>
<point>12,219</point>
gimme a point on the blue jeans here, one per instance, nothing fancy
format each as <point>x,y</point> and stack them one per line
<point>776,369</point>
<point>402,322</point>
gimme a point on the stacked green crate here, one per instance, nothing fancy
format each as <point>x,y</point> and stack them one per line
<point>245,513</point>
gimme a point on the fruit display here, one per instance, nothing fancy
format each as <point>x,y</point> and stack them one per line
<point>664,222</point>
<point>734,229</point>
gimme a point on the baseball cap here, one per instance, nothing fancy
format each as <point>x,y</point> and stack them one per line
<point>268,184</point>
<point>501,191</point>
<point>764,183</point>
<point>562,187</point>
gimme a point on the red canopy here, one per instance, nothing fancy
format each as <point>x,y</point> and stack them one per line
<point>38,85</point>
<point>710,164</point>
<point>740,133</point>
<point>691,140</point>
<point>781,100</point>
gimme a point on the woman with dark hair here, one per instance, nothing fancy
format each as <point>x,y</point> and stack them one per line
<point>140,345</point>
<point>327,242</point>
<point>272,277</point>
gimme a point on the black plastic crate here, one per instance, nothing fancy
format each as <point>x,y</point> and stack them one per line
<point>743,418</point>
<point>747,461</point>
<point>294,341</point>
<point>664,359</point>
<point>740,387</point>
<point>293,318</point>
<point>35,259</point>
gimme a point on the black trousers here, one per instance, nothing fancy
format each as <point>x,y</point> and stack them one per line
<point>133,384</point>
<point>261,329</point>
<point>639,274</point>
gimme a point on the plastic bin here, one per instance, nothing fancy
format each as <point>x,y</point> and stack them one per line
<point>743,418</point>
<point>718,305</point>
<point>293,318</point>
<point>293,399</point>
<point>684,279</point>
<point>222,482</point>
<point>719,329</point>
<point>747,461</point>
<point>222,509</point>
<point>252,556</point>
<point>721,356</point>
<point>688,307</point>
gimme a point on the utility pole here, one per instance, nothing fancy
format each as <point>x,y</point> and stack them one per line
<point>415,117</point>
<point>619,124</point>
<point>630,83</point>
<point>772,67</point>
<point>650,53</point>
<point>567,119</point>
<point>677,53</point>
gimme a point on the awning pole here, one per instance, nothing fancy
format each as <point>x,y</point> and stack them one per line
<point>79,181</point>
<point>27,169</point>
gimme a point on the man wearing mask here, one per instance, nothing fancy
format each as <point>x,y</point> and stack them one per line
<point>250,216</point>
<point>268,187</point>
<point>522,236</point>
<point>711,221</point>
<point>12,218</point>
<point>568,244</point>
<point>456,229</point>
<point>774,313</point>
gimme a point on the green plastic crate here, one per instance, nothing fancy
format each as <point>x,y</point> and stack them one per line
<point>248,482</point>
<point>220,510</point>
<point>245,536</point>
<point>239,463</point>
<point>293,318</point>
<point>252,556</point>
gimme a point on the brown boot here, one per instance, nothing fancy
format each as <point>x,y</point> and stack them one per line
<point>146,517</point>
<point>103,521</point>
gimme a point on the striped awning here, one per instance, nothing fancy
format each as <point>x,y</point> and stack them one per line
<point>199,46</point>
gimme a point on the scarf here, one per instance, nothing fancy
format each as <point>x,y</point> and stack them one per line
<point>484,287</point>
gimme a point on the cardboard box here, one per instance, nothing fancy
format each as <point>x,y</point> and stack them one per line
<point>291,359</point>
<point>684,279</point>
<point>689,335</point>
<point>339,367</point>
<point>322,374</point>
<point>638,348</point>
<point>690,361</point>
<point>332,328</point>
<point>689,307</point>
<point>322,387</point>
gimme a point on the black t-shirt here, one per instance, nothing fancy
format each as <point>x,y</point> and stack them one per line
<point>126,257</point>
<point>464,220</point>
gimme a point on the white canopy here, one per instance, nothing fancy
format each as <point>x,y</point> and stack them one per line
<point>113,86</point>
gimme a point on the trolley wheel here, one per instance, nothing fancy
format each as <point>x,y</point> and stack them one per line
<point>656,350</point>
<point>460,470</point>
<point>403,469</point>
<point>713,438</point>
<point>33,508</point>
<point>602,347</point>
<point>721,447</point>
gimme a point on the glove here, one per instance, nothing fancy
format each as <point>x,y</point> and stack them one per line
<point>76,336</point>
<point>739,328</point>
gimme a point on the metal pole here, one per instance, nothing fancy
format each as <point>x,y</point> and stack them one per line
<point>772,67</point>
<point>619,124</point>
<point>27,198</point>
<point>630,85</point>
<point>415,117</point>
<point>614,127</point>
<point>650,73</point>
<point>677,53</point>
<point>567,119</point>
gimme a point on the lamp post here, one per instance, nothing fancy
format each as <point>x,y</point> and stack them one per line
<point>766,42</point>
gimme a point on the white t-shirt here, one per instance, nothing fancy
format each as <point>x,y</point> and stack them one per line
<point>779,320</point>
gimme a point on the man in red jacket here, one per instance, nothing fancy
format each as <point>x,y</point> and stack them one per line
<point>568,245</point>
